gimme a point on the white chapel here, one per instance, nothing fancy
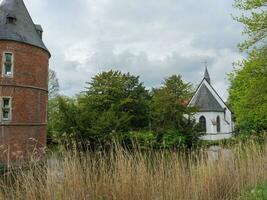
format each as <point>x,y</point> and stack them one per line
<point>214,116</point>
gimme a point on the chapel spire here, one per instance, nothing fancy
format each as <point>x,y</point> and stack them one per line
<point>206,75</point>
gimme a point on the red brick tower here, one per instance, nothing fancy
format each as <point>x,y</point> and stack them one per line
<point>23,84</point>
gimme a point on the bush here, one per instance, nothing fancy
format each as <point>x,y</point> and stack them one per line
<point>173,139</point>
<point>141,139</point>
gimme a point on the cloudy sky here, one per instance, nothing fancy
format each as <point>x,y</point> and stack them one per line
<point>150,38</point>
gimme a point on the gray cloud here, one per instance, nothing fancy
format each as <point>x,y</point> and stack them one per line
<point>153,39</point>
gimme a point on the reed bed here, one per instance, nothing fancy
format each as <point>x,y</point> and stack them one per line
<point>138,175</point>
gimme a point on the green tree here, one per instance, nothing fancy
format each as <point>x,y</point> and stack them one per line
<point>168,110</point>
<point>53,85</point>
<point>53,93</point>
<point>248,89</point>
<point>254,19</point>
<point>64,119</point>
<point>114,103</point>
<point>167,106</point>
<point>248,92</point>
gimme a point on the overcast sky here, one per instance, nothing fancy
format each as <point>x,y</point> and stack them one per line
<point>150,38</point>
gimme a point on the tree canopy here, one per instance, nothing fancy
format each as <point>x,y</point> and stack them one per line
<point>167,105</point>
<point>53,85</point>
<point>248,89</point>
<point>120,94</point>
<point>117,105</point>
<point>248,92</point>
<point>254,19</point>
<point>169,110</point>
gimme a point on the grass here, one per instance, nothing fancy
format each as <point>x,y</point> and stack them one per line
<point>125,175</point>
<point>257,193</point>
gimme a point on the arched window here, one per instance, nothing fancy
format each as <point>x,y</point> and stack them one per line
<point>218,122</point>
<point>202,122</point>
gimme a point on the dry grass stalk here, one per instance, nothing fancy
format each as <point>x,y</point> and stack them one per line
<point>134,176</point>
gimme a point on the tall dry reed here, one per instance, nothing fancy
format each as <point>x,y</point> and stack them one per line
<point>137,175</point>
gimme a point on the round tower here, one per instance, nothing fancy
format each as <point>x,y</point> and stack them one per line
<point>23,84</point>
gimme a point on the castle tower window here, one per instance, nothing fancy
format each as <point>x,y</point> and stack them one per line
<point>39,30</point>
<point>202,123</point>
<point>11,19</point>
<point>8,64</point>
<point>6,108</point>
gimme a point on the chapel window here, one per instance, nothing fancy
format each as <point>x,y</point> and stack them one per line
<point>11,19</point>
<point>203,124</point>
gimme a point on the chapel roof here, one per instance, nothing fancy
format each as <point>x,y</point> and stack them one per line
<point>203,99</point>
<point>16,24</point>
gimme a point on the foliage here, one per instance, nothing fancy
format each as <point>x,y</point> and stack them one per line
<point>169,110</point>
<point>172,138</point>
<point>118,106</point>
<point>53,85</point>
<point>167,105</point>
<point>248,90</point>
<point>63,120</point>
<point>53,94</point>
<point>254,20</point>
<point>120,93</point>
<point>258,193</point>
<point>114,103</point>
<point>139,139</point>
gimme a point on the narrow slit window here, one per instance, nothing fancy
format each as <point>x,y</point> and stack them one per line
<point>6,108</point>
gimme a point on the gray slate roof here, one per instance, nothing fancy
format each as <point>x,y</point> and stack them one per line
<point>23,30</point>
<point>205,101</point>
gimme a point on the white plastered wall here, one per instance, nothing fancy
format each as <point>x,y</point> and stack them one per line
<point>227,125</point>
<point>211,126</point>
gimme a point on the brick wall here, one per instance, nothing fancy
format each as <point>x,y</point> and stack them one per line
<point>25,134</point>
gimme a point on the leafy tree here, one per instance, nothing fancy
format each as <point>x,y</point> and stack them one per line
<point>53,89</point>
<point>248,90</point>
<point>139,139</point>
<point>168,110</point>
<point>64,119</point>
<point>53,85</point>
<point>254,19</point>
<point>117,105</point>
<point>114,102</point>
<point>167,106</point>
